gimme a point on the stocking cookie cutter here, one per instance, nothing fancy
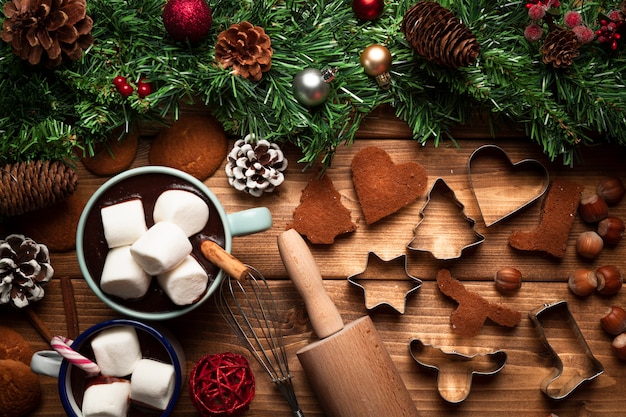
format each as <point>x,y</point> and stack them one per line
<point>374,259</point>
<point>581,366</point>
<point>455,370</point>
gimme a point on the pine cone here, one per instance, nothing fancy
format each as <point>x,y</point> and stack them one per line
<point>255,168</point>
<point>28,186</point>
<point>47,30</point>
<point>24,267</point>
<point>246,48</point>
<point>560,48</point>
<point>439,36</point>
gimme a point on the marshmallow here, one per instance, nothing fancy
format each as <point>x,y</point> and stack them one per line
<point>122,276</point>
<point>123,223</point>
<point>152,384</point>
<point>182,208</point>
<point>117,350</point>
<point>107,399</point>
<point>161,248</point>
<point>185,283</point>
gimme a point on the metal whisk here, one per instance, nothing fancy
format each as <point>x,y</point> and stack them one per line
<point>246,303</point>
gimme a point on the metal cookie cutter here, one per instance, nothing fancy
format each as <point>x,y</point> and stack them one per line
<point>445,242</point>
<point>455,370</point>
<point>567,343</point>
<point>502,188</point>
<point>378,284</point>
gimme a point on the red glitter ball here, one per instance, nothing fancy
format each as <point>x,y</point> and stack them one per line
<point>368,9</point>
<point>187,19</point>
<point>222,385</point>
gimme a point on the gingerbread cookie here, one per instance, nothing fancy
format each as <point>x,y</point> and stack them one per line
<point>555,221</point>
<point>384,187</point>
<point>194,144</point>
<point>320,216</point>
<point>113,156</point>
<point>473,310</point>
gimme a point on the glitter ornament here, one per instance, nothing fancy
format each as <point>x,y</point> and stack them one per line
<point>368,9</point>
<point>310,88</point>
<point>187,19</point>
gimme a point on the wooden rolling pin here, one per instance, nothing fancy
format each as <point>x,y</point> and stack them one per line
<point>349,368</point>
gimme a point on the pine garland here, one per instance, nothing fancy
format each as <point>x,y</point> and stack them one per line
<point>48,114</point>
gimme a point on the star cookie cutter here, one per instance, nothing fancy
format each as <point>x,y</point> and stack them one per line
<point>455,371</point>
<point>568,343</point>
<point>500,186</point>
<point>377,286</point>
<point>449,242</point>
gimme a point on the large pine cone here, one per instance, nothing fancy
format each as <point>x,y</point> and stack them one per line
<point>47,31</point>
<point>439,36</point>
<point>560,48</point>
<point>246,48</point>
<point>29,186</point>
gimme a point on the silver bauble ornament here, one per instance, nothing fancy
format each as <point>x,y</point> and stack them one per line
<point>310,87</point>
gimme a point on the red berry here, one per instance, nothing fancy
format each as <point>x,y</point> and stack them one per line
<point>144,89</point>
<point>125,90</point>
<point>119,81</point>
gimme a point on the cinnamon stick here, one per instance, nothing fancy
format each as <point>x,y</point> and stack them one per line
<point>69,307</point>
<point>38,324</point>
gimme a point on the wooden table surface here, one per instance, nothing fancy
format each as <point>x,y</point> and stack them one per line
<point>514,391</point>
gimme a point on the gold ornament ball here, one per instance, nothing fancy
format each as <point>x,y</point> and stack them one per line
<point>375,60</point>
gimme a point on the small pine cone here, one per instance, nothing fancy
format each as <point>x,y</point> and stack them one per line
<point>560,48</point>
<point>28,186</point>
<point>439,36</point>
<point>24,268</point>
<point>246,48</point>
<point>255,167</point>
<point>47,31</point>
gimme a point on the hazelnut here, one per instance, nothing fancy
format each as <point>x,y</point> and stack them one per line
<point>609,280</point>
<point>619,346</point>
<point>508,279</point>
<point>589,244</point>
<point>592,208</point>
<point>611,189</point>
<point>611,230</point>
<point>614,320</point>
<point>582,282</point>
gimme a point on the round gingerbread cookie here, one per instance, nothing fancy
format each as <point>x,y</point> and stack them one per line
<point>113,156</point>
<point>194,144</point>
<point>14,346</point>
<point>21,392</point>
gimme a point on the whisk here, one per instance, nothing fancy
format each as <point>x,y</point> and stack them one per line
<point>247,305</point>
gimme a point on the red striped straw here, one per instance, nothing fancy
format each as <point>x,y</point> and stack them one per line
<point>63,346</point>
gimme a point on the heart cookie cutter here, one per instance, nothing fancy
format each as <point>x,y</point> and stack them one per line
<point>502,188</point>
<point>449,242</point>
<point>455,371</point>
<point>379,285</point>
<point>569,343</point>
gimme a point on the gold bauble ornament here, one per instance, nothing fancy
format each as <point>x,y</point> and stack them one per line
<point>376,61</point>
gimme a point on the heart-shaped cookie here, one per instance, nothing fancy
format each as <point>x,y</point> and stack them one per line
<point>382,186</point>
<point>501,187</point>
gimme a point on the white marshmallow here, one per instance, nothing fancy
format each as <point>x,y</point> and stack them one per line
<point>152,383</point>
<point>123,223</point>
<point>107,399</point>
<point>161,248</point>
<point>185,283</point>
<point>122,276</point>
<point>182,208</point>
<point>117,350</point>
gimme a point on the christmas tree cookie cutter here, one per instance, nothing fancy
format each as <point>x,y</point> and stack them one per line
<point>561,335</point>
<point>502,188</point>
<point>442,207</point>
<point>381,284</point>
<point>455,370</point>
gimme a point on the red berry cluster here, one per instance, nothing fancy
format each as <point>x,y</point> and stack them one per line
<point>609,31</point>
<point>573,20</point>
<point>125,89</point>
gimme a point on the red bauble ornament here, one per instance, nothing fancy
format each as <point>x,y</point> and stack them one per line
<point>368,9</point>
<point>187,19</point>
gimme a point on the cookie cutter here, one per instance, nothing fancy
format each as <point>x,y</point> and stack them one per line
<point>455,370</point>
<point>374,266</point>
<point>581,366</point>
<point>441,240</point>
<point>496,201</point>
